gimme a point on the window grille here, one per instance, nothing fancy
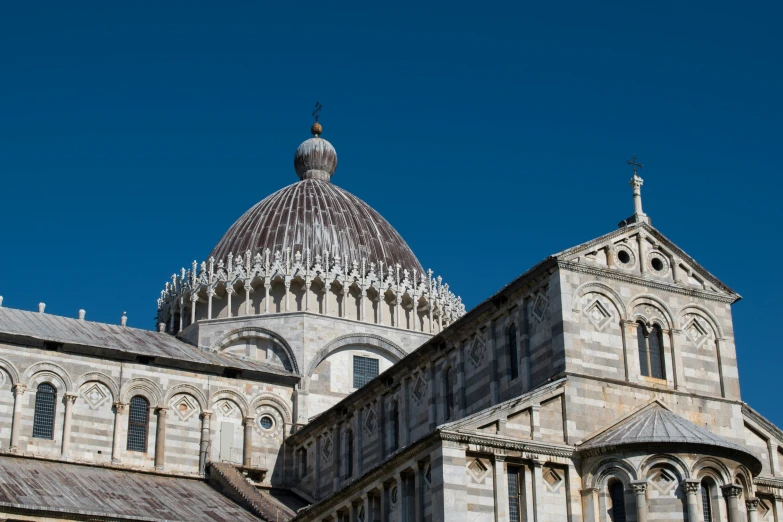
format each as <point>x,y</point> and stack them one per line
<point>650,351</point>
<point>348,454</point>
<point>705,502</point>
<point>449,394</point>
<point>513,353</point>
<point>617,494</point>
<point>365,369</point>
<point>43,421</point>
<point>395,426</point>
<point>513,495</point>
<point>138,424</point>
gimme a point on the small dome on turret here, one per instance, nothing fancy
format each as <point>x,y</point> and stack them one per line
<point>315,158</point>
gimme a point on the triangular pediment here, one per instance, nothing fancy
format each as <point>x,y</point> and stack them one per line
<point>641,251</point>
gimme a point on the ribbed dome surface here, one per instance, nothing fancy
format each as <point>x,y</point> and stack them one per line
<point>320,216</point>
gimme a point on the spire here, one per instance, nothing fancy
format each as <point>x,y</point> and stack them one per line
<point>636,183</point>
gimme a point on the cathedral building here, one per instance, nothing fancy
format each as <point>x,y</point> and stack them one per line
<point>310,369</point>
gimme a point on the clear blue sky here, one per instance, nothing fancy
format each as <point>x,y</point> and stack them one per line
<point>490,135</point>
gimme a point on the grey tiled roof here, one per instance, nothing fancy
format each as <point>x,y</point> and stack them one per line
<point>656,424</point>
<point>53,489</point>
<point>65,330</point>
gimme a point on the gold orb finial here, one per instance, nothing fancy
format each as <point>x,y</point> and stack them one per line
<point>316,129</point>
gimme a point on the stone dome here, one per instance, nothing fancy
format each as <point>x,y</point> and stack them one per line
<point>318,216</point>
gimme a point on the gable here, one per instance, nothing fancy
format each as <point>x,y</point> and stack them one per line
<point>641,251</point>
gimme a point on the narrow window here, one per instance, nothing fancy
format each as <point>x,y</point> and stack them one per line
<point>365,369</point>
<point>302,462</point>
<point>513,495</point>
<point>348,453</point>
<point>617,494</point>
<point>513,354</point>
<point>138,423</point>
<point>395,425</point>
<point>644,357</point>
<point>655,340</point>
<point>448,394</point>
<point>43,421</point>
<point>706,504</point>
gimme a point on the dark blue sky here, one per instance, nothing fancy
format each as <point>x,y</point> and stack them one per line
<point>490,135</point>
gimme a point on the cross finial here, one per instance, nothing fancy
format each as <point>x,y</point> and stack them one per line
<point>632,162</point>
<point>317,111</point>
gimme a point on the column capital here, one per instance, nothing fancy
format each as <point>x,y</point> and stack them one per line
<point>19,388</point>
<point>193,297</point>
<point>639,486</point>
<point>537,463</point>
<point>70,397</point>
<point>205,414</point>
<point>731,490</point>
<point>161,410</point>
<point>250,419</point>
<point>120,406</point>
<point>589,491</point>
<point>752,504</point>
<point>692,486</point>
<point>499,458</point>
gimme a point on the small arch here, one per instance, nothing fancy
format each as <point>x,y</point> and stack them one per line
<point>385,346</point>
<point>271,400</point>
<point>101,378</point>
<point>11,370</point>
<point>607,468</point>
<point>230,395</point>
<point>656,302</point>
<point>52,370</point>
<point>704,314</point>
<point>665,459</point>
<point>253,332</point>
<point>144,387</point>
<point>188,390</point>
<point>603,290</point>
<point>711,467</point>
<point>745,479</point>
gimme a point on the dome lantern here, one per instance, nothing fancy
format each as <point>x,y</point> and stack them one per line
<point>315,158</point>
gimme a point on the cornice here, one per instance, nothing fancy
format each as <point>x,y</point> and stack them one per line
<point>540,448</point>
<point>626,278</point>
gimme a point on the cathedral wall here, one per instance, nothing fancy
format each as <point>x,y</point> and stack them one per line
<point>603,337</point>
<point>187,400</point>
<point>593,404</point>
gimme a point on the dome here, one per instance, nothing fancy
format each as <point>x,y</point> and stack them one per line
<point>318,216</point>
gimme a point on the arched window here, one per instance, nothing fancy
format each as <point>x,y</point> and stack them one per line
<point>43,421</point>
<point>650,350</point>
<point>706,502</point>
<point>617,494</point>
<point>513,354</point>
<point>448,393</point>
<point>348,453</point>
<point>138,423</point>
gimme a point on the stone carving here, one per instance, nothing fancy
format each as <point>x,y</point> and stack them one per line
<point>598,314</point>
<point>478,470</point>
<point>540,307</point>
<point>370,421</point>
<point>477,349</point>
<point>419,388</point>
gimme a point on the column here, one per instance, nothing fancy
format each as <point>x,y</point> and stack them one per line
<point>267,286</point>
<point>773,457</point>
<point>397,311</point>
<point>229,291</point>
<point>205,438</point>
<point>367,505</point>
<point>181,313</point>
<point>248,288</point>
<point>210,293</point>
<point>778,503</point>
<point>461,385</point>
<point>247,446</point>
<point>640,241</point>
<point>494,396</point>
<point>116,446</point>
<point>640,492</point>
<point>501,489</point>
<point>418,493</point>
<point>70,398</point>
<point>361,310</point>
<point>624,325</point>
<point>383,504</point>
<point>590,505</point>
<point>287,285</point>
<point>535,422</point>
<point>307,294</point>
<point>344,307</point>
<point>193,301</point>
<point>719,344</point>
<point>19,390</point>
<point>403,412</point>
<point>752,505</point>
<point>731,493</point>
<point>538,490</point>
<point>692,488</point>
<point>432,395</point>
<point>160,438</point>
<point>326,298</point>
<point>381,302</point>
